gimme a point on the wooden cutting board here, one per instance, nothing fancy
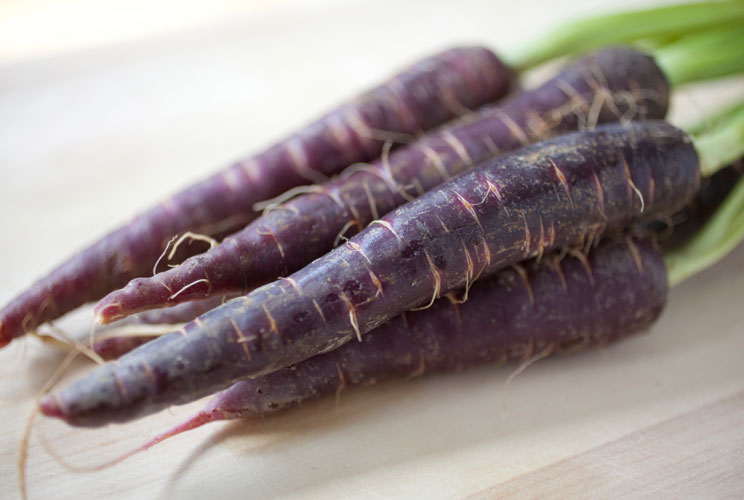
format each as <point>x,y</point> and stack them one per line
<point>96,130</point>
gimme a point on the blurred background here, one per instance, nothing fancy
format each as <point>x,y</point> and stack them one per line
<point>36,28</point>
<point>117,104</point>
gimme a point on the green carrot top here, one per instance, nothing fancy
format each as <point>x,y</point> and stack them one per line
<point>650,28</point>
<point>719,141</point>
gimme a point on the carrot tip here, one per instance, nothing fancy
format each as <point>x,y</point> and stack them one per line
<point>108,313</point>
<point>50,407</point>
<point>5,338</point>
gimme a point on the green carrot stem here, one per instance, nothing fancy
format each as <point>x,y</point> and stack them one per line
<point>723,143</point>
<point>703,55</point>
<point>667,22</point>
<point>715,240</point>
<point>711,122</point>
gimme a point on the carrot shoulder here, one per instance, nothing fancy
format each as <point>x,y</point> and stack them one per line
<point>612,85</point>
<point>427,94</point>
<point>551,195</point>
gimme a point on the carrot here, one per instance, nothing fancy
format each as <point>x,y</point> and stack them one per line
<point>670,233</point>
<point>425,95</point>
<point>676,230</point>
<point>614,84</point>
<point>572,304</point>
<point>547,196</point>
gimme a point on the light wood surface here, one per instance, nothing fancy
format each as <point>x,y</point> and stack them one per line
<point>97,126</point>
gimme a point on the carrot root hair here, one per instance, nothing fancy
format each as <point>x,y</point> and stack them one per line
<point>522,367</point>
<point>26,434</point>
<point>197,420</point>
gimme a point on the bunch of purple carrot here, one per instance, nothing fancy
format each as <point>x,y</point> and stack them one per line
<point>421,227</point>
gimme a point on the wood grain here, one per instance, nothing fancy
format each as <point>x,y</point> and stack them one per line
<point>699,454</point>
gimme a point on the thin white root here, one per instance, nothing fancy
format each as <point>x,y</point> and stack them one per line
<point>639,194</point>
<point>388,136</point>
<point>26,434</point>
<point>437,284</point>
<point>387,226</point>
<point>388,173</point>
<point>150,330</point>
<point>192,236</point>
<point>203,280</point>
<point>79,468</point>
<point>272,203</point>
<point>66,343</point>
<point>341,385</point>
<point>371,201</point>
<point>92,332</point>
<point>340,236</point>
<point>79,346</point>
<point>227,224</point>
<point>162,255</point>
<point>52,341</point>
<point>23,450</point>
<point>522,367</point>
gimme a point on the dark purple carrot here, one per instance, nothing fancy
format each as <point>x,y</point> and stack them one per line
<point>429,93</point>
<point>611,85</point>
<point>547,196</point>
<point>670,233</point>
<point>676,230</point>
<point>571,304</point>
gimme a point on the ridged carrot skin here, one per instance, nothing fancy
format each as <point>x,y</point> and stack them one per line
<point>670,233</point>
<point>556,306</point>
<point>429,93</point>
<point>611,85</point>
<point>550,195</point>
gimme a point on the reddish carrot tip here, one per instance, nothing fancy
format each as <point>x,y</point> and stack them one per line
<point>108,313</point>
<point>50,407</point>
<point>4,337</point>
<point>101,319</point>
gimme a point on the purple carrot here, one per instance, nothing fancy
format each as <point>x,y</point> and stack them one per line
<point>611,85</point>
<point>677,229</point>
<point>555,306</point>
<point>670,234</point>
<point>546,196</point>
<point>429,93</point>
